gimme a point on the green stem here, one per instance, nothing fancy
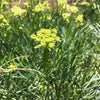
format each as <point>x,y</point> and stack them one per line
<point>46,57</point>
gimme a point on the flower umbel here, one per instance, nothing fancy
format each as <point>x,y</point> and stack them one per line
<point>74,9</point>
<point>3,21</point>
<point>42,7</point>
<point>79,18</point>
<point>46,37</point>
<point>17,11</point>
<point>66,16</point>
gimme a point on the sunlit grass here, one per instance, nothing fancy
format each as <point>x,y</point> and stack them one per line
<point>49,54</point>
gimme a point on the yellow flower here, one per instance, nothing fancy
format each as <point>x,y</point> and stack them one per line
<point>62,5</point>
<point>51,39</point>
<point>61,2</point>
<point>48,17</point>
<point>42,7</point>
<point>56,49</point>
<point>39,8</point>
<point>74,9</point>
<point>33,36</point>
<point>51,45</point>
<point>12,66</point>
<point>40,87</point>
<point>20,28</point>
<point>23,25</point>
<point>66,16</point>
<point>57,38</point>
<point>2,25</point>
<point>43,44</point>
<point>79,18</point>
<point>85,3</point>
<point>45,3</point>
<point>5,3</point>
<point>17,11</point>
<point>53,35</point>
<point>4,21</point>
<point>54,30</point>
<point>5,34</point>
<point>68,7</point>
<point>26,4</point>
<point>1,17</point>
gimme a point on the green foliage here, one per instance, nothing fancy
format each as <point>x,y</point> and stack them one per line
<point>92,12</point>
<point>69,70</point>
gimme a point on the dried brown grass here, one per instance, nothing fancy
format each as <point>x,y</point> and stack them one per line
<point>52,3</point>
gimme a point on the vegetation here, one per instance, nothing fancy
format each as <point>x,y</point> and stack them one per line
<point>50,53</point>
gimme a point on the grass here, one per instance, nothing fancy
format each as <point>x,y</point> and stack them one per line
<point>68,71</point>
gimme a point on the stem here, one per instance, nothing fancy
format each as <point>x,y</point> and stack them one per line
<point>46,57</point>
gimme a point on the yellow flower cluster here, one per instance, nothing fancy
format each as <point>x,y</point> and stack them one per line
<point>61,5</point>
<point>66,16</point>
<point>74,9</point>
<point>85,3</point>
<point>79,18</point>
<point>4,3</point>
<point>70,11</point>
<point>46,37</point>
<point>49,18</point>
<point>42,7</point>
<point>68,7</point>
<point>3,21</point>
<point>12,66</point>
<point>17,11</point>
<point>61,2</point>
<point>26,4</point>
<point>1,17</point>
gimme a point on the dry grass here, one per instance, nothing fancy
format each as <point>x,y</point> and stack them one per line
<point>52,3</point>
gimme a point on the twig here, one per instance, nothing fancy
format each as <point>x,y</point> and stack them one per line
<point>22,69</point>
